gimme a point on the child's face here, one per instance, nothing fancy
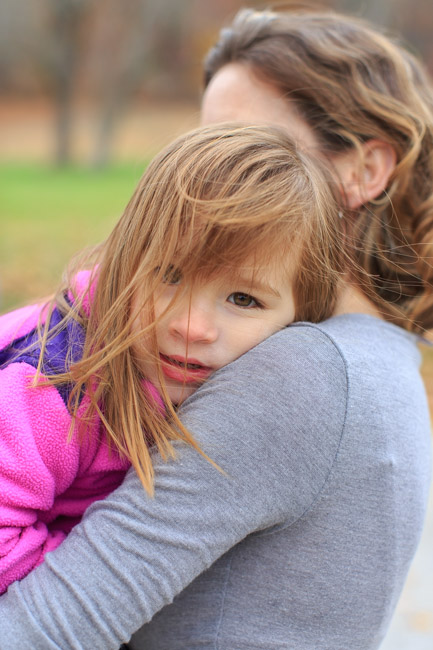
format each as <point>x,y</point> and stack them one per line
<point>212,324</point>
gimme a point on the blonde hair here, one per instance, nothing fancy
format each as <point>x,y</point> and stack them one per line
<point>351,84</point>
<point>210,201</point>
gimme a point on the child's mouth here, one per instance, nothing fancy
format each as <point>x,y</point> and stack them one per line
<point>183,370</point>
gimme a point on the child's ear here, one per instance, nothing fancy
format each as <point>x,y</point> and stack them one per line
<point>364,179</point>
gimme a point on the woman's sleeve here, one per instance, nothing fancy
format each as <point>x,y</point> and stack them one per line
<point>272,421</point>
<point>32,470</point>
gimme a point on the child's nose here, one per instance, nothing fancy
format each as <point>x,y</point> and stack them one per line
<point>194,323</point>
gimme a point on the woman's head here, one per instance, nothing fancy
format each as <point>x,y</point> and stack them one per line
<point>223,215</point>
<point>357,98</point>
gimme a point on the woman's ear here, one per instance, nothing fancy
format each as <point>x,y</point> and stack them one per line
<point>364,178</point>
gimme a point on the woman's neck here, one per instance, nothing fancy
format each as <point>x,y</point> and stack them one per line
<point>351,300</point>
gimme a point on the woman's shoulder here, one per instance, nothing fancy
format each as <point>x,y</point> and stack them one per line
<point>358,340</point>
<point>296,368</point>
<point>353,359</point>
<point>282,404</point>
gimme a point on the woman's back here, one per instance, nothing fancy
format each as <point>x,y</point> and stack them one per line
<point>330,573</point>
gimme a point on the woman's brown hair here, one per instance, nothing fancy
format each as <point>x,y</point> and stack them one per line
<point>352,84</point>
<point>214,199</point>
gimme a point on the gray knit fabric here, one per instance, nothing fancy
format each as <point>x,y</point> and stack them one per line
<point>302,542</point>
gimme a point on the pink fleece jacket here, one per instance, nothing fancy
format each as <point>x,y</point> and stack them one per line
<point>46,480</point>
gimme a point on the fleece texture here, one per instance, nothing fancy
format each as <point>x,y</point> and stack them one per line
<point>47,477</point>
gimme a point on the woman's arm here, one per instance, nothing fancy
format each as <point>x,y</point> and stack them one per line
<point>272,421</point>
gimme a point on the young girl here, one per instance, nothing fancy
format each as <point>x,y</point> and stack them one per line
<point>322,430</point>
<point>230,235</point>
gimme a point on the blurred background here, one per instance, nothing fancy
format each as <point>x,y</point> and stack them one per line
<point>90,90</point>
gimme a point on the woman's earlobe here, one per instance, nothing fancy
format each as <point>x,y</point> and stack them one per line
<point>364,177</point>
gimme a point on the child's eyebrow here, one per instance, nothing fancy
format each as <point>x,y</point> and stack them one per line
<point>257,285</point>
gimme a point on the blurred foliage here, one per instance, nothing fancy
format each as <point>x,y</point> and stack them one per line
<point>109,53</point>
<point>106,53</point>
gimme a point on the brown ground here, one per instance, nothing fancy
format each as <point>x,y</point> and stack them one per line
<point>27,129</point>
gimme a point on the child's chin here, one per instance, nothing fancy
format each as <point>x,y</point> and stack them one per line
<point>178,397</point>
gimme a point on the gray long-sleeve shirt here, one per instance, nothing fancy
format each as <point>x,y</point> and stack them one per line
<point>303,542</point>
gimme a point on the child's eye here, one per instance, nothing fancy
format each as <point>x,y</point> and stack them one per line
<point>172,275</point>
<point>242,300</point>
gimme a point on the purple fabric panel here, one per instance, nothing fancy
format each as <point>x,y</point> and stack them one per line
<point>64,348</point>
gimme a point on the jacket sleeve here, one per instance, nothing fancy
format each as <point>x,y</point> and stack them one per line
<point>34,468</point>
<point>272,421</point>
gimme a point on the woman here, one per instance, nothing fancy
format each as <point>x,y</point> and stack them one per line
<point>322,431</point>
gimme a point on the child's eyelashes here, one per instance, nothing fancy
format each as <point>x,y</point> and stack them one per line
<point>173,276</point>
<point>245,300</point>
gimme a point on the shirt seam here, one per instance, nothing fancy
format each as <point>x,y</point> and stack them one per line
<point>277,528</point>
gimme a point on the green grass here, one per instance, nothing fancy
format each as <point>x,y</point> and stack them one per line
<point>47,215</point>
